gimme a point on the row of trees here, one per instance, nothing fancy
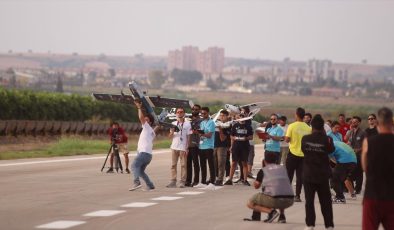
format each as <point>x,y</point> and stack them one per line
<point>29,105</point>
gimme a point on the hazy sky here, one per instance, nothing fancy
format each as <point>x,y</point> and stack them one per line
<point>343,31</point>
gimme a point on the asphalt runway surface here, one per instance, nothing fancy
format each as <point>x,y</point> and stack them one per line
<point>72,193</point>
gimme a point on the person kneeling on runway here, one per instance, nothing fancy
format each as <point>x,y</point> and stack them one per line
<point>277,192</point>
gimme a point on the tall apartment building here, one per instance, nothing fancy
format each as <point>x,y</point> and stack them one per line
<point>190,58</point>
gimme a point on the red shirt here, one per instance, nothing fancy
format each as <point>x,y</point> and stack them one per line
<point>120,136</point>
<point>343,129</point>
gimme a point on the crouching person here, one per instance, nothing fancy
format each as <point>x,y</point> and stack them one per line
<point>277,192</point>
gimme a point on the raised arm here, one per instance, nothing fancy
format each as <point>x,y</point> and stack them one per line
<point>140,113</point>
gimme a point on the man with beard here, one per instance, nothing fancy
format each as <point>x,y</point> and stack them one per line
<point>356,137</point>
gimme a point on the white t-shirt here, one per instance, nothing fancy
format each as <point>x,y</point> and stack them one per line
<point>179,140</point>
<point>145,142</point>
<point>284,143</point>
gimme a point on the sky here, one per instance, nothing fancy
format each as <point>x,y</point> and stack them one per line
<point>342,31</point>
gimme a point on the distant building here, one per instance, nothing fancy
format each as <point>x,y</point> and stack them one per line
<point>190,58</point>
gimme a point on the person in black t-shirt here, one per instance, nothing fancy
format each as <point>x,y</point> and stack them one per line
<point>371,130</point>
<point>222,144</point>
<point>316,172</point>
<point>377,162</point>
<point>241,133</point>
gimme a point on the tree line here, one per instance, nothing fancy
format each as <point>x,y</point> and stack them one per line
<point>30,105</point>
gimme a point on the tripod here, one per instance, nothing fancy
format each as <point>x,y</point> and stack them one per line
<point>118,162</point>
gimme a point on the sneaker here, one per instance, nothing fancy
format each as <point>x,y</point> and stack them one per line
<point>219,183</point>
<point>172,184</point>
<point>271,216</point>
<point>194,184</point>
<point>309,228</point>
<point>297,199</point>
<point>182,185</point>
<point>353,196</point>
<point>228,182</point>
<point>282,219</point>
<point>135,186</point>
<point>188,185</point>
<point>245,182</point>
<point>338,201</point>
<point>210,186</point>
<point>199,185</point>
<point>110,170</point>
<point>238,181</point>
<point>127,171</point>
<point>330,228</point>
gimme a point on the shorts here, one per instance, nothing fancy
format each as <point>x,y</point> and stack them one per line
<point>123,148</point>
<point>264,200</point>
<point>277,154</point>
<point>240,151</point>
<point>346,170</point>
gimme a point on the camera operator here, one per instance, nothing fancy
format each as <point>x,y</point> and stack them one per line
<point>118,136</point>
<point>192,156</point>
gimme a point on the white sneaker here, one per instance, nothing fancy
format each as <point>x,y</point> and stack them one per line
<point>330,228</point>
<point>309,228</point>
<point>209,187</point>
<point>199,185</point>
<point>135,186</point>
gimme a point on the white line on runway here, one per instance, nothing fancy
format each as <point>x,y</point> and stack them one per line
<point>105,213</point>
<point>189,193</point>
<point>61,224</point>
<point>138,205</point>
<point>167,198</point>
<point>72,159</point>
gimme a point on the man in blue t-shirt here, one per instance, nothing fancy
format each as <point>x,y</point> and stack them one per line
<point>207,144</point>
<point>275,135</point>
<point>334,133</point>
<point>346,162</point>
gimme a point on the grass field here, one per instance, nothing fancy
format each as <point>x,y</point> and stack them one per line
<point>69,146</point>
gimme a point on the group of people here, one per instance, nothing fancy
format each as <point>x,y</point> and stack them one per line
<point>321,154</point>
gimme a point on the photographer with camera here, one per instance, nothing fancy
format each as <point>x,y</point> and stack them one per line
<point>118,137</point>
<point>179,146</point>
<point>192,164</point>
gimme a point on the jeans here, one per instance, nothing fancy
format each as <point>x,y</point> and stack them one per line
<point>138,167</point>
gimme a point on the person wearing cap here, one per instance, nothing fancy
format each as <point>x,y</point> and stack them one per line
<point>316,173</point>
<point>277,192</point>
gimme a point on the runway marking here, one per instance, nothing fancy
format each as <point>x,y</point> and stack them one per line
<point>102,213</point>
<point>72,159</point>
<point>189,193</point>
<point>61,224</point>
<point>138,205</point>
<point>167,198</point>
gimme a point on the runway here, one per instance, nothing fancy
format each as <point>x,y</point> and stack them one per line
<point>72,193</point>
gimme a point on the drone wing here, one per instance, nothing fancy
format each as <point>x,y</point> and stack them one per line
<point>119,98</point>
